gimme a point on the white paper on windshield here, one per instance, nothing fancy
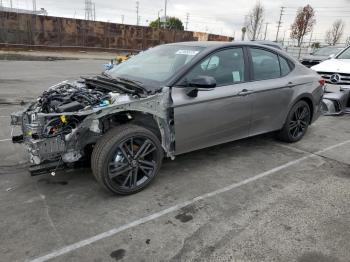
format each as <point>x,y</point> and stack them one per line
<point>187,52</point>
<point>236,76</point>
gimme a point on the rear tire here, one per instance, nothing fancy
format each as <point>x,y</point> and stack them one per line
<point>126,159</point>
<point>297,123</point>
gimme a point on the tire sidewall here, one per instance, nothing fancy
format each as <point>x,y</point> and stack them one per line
<point>112,145</point>
<point>290,115</point>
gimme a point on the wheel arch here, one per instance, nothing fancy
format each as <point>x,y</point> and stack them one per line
<point>158,125</point>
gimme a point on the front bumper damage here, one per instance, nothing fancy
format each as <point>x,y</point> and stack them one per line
<point>336,102</point>
<point>49,151</point>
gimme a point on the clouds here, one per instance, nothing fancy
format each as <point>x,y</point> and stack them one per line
<point>216,16</point>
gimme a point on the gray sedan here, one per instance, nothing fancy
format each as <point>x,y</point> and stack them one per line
<point>168,100</point>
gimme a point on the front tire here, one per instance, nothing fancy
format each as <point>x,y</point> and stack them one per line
<point>297,123</point>
<point>126,159</point>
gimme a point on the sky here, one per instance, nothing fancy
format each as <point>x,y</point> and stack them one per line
<point>214,16</point>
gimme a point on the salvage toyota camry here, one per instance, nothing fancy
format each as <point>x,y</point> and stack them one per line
<point>166,101</point>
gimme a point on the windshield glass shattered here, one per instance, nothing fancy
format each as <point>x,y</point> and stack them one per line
<point>345,54</point>
<point>156,64</point>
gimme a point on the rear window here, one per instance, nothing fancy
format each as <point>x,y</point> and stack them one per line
<point>285,67</point>
<point>265,64</point>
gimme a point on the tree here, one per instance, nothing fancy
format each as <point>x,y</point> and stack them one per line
<point>303,23</point>
<point>254,21</point>
<point>334,34</point>
<point>171,23</point>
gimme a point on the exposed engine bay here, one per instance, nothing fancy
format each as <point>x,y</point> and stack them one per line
<point>69,117</point>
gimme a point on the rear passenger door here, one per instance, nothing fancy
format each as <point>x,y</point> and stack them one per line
<point>271,90</point>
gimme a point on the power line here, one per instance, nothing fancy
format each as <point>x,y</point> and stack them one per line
<point>279,22</point>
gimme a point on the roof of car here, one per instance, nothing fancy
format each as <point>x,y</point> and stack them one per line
<point>217,43</point>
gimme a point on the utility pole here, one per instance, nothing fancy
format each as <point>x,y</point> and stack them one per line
<point>34,5</point>
<point>187,18</point>
<point>122,16</point>
<point>266,30</point>
<point>279,23</point>
<point>165,9</point>
<point>137,12</point>
<point>94,12</point>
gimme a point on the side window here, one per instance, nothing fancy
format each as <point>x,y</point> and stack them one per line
<point>285,68</point>
<point>226,66</point>
<point>265,64</point>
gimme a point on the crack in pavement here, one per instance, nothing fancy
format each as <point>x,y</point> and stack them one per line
<point>47,212</point>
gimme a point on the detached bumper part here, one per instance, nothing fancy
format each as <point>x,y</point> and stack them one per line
<point>336,103</point>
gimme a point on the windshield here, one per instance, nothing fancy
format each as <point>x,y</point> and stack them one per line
<point>345,54</point>
<point>155,65</point>
<point>327,51</point>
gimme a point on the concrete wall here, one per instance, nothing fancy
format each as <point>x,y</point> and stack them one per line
<point>27,29</point>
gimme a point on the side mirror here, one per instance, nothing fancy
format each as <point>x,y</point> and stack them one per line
<point>203,83</point>
<point>332,56</point>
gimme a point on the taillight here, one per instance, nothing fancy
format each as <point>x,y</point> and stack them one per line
<point>322,82</point>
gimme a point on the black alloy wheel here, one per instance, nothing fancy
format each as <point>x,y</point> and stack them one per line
<point>297,123</point>
<point>126,159</point>
<point>133,163</point>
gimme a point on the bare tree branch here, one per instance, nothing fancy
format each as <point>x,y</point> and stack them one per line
<point>254,21</point>
<point>334,34</point>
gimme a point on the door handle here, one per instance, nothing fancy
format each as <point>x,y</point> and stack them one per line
<point>291,84</point>
<point>245,92</point>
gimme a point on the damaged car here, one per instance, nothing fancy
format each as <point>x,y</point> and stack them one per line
<point>336,74</point>
<point>166,101</point>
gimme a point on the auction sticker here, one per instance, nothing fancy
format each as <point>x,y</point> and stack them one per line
<point>187,52</point>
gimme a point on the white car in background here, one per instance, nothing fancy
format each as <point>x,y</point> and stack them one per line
<point>336,73</point>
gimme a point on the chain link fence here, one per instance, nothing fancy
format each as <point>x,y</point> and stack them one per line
<point>306,48</point>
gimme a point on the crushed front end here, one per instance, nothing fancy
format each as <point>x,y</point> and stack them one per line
<point>54,128</point>
<point>66,119</point>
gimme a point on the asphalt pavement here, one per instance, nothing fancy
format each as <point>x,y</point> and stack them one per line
<point>255,199</point>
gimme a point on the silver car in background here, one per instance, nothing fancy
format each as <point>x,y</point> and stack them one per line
<point>168,100</point>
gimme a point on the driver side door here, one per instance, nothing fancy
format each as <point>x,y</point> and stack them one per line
<point>215,115</point>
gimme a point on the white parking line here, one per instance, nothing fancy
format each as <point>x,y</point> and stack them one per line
<point>4,140</point>
<point>156,215</point>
